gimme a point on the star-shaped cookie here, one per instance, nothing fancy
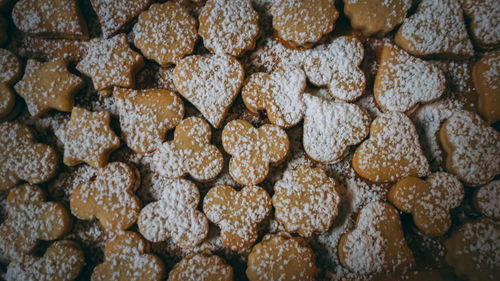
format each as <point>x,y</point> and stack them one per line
<point>48,86</point>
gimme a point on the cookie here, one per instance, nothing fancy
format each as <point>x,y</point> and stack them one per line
<point>115,15</point>
<point>190,152</point>
<point>483,16</point>
<point>428,201</point>
<point>23,158</point>
<point>111,62</point>
<point>302,23</point>
<point>110,197</point>
<point>402,81</point>
<point>252,150</point>
<point>331,127</point>
<point>392,151</point>
<point>281,257</point>
<point>377,243</point>
<point>486,77</point>
<point>146,116</point>
<point>472,250</point>
<point>237,213</point>
<point>336,65</point>
<point>201,267</point>
<point>7,101</point>
<point>47,86</point>
<point>175,216</point>
<point>11,67</point>
<point>88,137</point>
<point>229,27</point>
<point>278,93</point>
<point>50,18</point>
<point>125,258</point>
<point>472,148</point>
<point>376,17</point>
<point>306,200</point>
<point>165,33</point>
<point>436,29</point>
<point>31,219</point>
<point>62,261</point>
<point>486,199</point>
<point>53,49</point>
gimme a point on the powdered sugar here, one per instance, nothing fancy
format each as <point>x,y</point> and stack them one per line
<point>486,199</point>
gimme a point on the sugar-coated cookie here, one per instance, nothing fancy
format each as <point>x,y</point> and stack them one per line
<point>7,101</point>
<point>472,148</point>
<point>377,243</point>
<point>146,116</point>
<point>190,152</point>
<point>486,199</point>
<point>486,77</point>
<point>281,257</point>
<point>203,267</point>
<point>237,213</point>
<point>484,18</point>
<point>11,67</point>
<point>252,150</point>
<point>125,258</point>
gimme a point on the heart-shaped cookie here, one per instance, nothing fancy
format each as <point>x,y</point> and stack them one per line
<point>484,17</point>
<point>486,77</point>
<point>210,83</point>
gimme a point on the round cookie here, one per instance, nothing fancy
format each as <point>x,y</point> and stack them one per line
<point>201,267</point>
<point>486,199</point>
<point>7,101</point>
<point>11,67</point>
<point>486,78</point>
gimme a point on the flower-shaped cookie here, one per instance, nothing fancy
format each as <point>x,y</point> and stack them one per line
<point>62,261</point>
<point>306,200</point>
<point>336,65</point>
<point>279,93</point>
<point>88,138</point>
<point>428,201</point>
<point>189,152</point>
<point>146,116</point>
<point>484,17</point>
<point>486,199</point>
<point>125,258</point>
<point>175,216</point>
<point>486,77</point>
<point>110,197</point>
<point>210,83</point>
<point>472,148</point>
<point>31,219</point>
<point>392,151</point>
<point>23,158</point>
<point>377,243</point>
<point>331,127</point>
<point>237,213</point>
<point>201,267</point>
<point>253,150</point>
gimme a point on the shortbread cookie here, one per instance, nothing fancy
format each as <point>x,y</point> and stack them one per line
<point>62,261</point>
<point>11,67</point>
<point>253,150</point>
<point>201,267</point>
<point>486,199</point>
<point>336,65</point>
<point>377,243</point>
<point>111,62</point>
<point>302,23</point>
<point>7,101</point>
<point>190,152</point>
<point>51,18</point>
<point>110,197</point>
<point>306,200</point>
<point>237,213</point>
<point>281,257</point>
<point>428,201</point>
<point>331,127</point>
<point>23,158</point>
<point>392,151</point>
<point>31,219</point>
<point>436,29</point>
<point>376,17</point>
<point>210,83</point>
<point>278,93</point>
<point>88,137</point>
<point>48,86</point>
<point>175,216</point>
<point>146,116</point>
<point>402,81</point>
<point>125,258</point>
<point>52,49</point>
<point>229,27</point>
<point>115,15</point>
<point>473,250</point>
<point>486,77</point>
<point>484,19</point>
<point>472,148</point>
<point>165,33</point>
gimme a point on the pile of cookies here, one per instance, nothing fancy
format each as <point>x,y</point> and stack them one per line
<point>249,140</point>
